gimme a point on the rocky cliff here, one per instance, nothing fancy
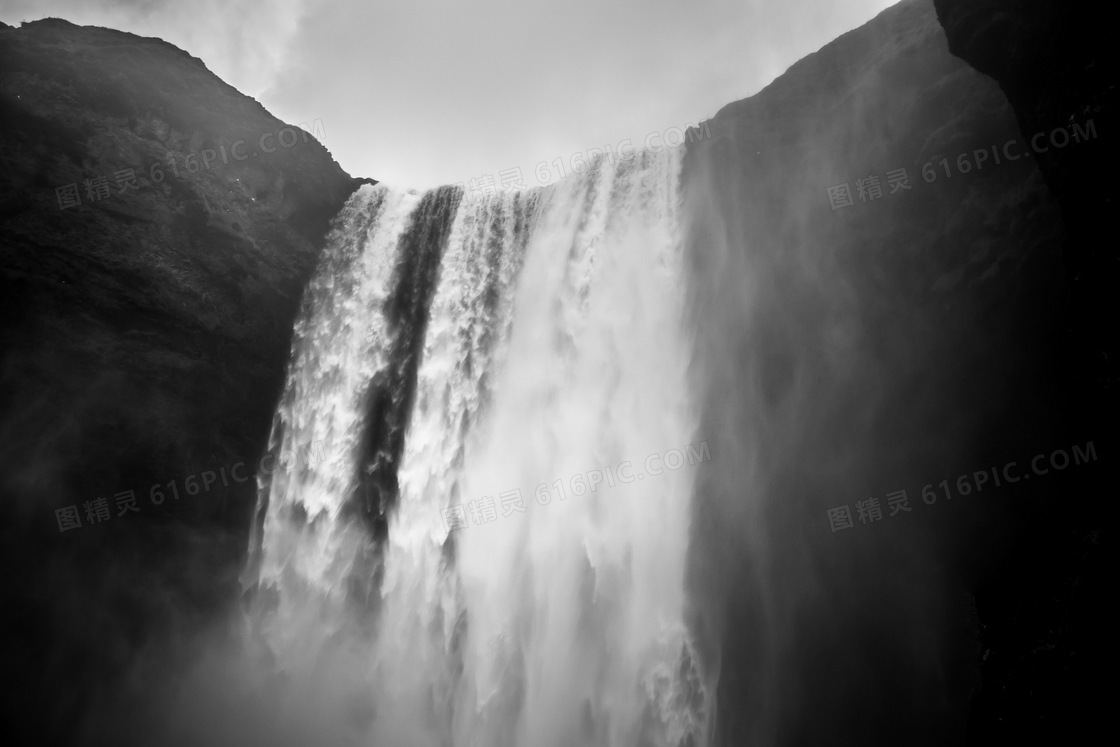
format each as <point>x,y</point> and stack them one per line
<point>1043,614</point>
<point>157,230</point>
<point>884,318</point>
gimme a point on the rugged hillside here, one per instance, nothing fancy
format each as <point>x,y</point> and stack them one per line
<point>883,304</point>
<point>147,313</point>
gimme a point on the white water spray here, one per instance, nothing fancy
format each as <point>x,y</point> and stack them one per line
<point>553,616</point>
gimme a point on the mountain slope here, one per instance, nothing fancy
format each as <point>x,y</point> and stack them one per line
<point>147,314</point>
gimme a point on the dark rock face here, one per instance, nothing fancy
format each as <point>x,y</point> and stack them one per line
<point>147,321</point>
<point>847,352</point>
<point>1044,614</point>
<point>1054,64</point>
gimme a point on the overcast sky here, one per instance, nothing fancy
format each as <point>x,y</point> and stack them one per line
<point>422,92</point>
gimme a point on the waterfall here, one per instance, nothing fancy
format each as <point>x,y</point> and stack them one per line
<point>492,550</point>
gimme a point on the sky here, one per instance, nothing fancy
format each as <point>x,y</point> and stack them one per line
<point>417,93</point>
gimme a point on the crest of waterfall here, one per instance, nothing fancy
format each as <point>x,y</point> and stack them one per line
<point>553,346</point>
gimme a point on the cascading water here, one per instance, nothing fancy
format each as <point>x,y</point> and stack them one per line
<point>505,600</point>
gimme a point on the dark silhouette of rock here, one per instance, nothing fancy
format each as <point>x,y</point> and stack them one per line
<point>1043,614</point>
<point>146,327</point>
<point>1054,64</point>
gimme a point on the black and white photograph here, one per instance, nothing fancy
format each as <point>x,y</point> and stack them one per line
<point>524,373</point>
